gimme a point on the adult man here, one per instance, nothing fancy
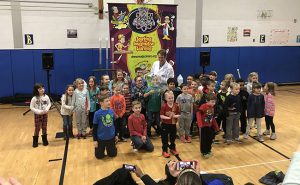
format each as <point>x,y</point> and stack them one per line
<point>162,69</point>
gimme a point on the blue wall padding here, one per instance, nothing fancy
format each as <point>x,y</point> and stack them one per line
<point>22,68</point>
<point>6,89</point>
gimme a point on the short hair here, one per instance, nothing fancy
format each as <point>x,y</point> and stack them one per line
<point>256,86</point>
<point>209,82</point>
<point>168,93</point>
<point>102,98</point>
<point>104,87</point>
<point>183,85</point>
<point>210,96</point>
<point>137,77</point>
<point>171,80</point>
<point>135,102</point>
<point>137,69</point>
<point>233,84</point>
<point>162,52</point>
<point>226,84</point>
<point>117,86</point>
<point>239,80</point>
<point>213,73</point>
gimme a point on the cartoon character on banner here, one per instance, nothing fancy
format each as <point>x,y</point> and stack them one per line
<point>121,47</point>
<point>167,25</point>
<point>119,20</point>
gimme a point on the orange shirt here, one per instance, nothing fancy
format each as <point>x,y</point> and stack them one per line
<point>117,103</point>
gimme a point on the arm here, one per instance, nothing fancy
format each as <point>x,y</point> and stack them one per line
<point>32,103</point>
<point>63,103</point>
<point>199,119</point>
<point>145,127</point>
<point>123,107</point>
<point>48,103</point>
<point>162,113</point>
<point>88,101</point>
<point>131,128</point>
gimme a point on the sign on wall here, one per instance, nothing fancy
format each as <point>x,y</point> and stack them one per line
<point>205,39</point>
<point>232,34</point>
<point>138,32</point>
<point>28,39</point>
<point>262,38</point>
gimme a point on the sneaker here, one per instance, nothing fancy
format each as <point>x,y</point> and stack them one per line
<point>246,136</point>
<point>255,125</point>
<point>238,141</point>
<point>131,143</point>
<point>78,136</point>
<point>260,138</point>
<point>267,132</point>
<point>216,142</point>
<point>188,139</point>
<point>134,149</point>
<point>206,156</point>
<point>123,139</point>
<point>174,152</point>
<point>273,136</point>
<point>182,139</point>
<point>166,154</point>
<point>228,142</point>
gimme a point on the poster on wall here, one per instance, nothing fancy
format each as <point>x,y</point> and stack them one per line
<point>71,33</point>
<point>232,34</point>
<point>28,39</point>
<point>205,39</point>
<point>262,38</point>
<point>279,36</point>
<point>138,32</point>
<point>247,32</point>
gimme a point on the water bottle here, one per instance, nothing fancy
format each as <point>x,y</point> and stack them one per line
<point>179,79</point>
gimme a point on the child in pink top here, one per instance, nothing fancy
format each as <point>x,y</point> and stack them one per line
<point>270,109</point>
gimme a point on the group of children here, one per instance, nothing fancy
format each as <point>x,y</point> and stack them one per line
<point>119,109</point>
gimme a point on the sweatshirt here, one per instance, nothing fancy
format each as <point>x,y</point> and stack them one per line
<point>103,127</point>
<point>118,104</point>
<point>137,125</point>
<point>40,104</point>
<point>205,117</point>
<point>66,109</point>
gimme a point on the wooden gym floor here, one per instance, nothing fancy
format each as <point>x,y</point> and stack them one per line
<point>245,162</point>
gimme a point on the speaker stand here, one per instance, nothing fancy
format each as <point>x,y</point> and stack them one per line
<point>203,70</point>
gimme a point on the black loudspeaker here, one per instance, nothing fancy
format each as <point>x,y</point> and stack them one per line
<point>47,59</point>
<point>204,58</point>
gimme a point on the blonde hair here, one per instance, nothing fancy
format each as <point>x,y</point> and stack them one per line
<point>251,75</point>
<point>234,84</point>
<point>79,80</point>
<point>135,102</point>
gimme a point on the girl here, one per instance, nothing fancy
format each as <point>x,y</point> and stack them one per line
<point>119,80</point>
<point>269,109</point>
<point>93,93</point>
<point>67,111</point>
<point>229,78</point>
<point>81,103</point>
<point>252,78</point>
<point>40,105</point>
<point>255,110</point>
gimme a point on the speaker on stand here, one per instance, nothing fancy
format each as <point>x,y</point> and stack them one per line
<point>204,60</point>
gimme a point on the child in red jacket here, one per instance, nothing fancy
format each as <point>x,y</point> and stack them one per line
<point>207,125</point>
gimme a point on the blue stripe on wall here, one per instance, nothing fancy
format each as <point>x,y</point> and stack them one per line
<point>22,68</point>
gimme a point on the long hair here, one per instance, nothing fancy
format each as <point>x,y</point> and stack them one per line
<point>271,87</point>
<point>88,85</point>
<point>251,75</point>
<point>36,89</point>
<point>116,79</point>
<point>189,177</point>
<point>66,92</point>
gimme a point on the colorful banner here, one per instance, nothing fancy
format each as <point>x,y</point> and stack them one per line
<point>138,32</point>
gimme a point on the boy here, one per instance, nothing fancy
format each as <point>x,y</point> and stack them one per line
<point>104,80</point>
<point>189,80</point>
<point>169,114</point>
<point>233,107</point>
<point>138,92</point>
<point>128,101</point>
<point>185,102</point>
<point>153,105</point>
<point>171,86</point>
<point>208,89</point>
<point>139,72</point>
<point>118,105</point>
<point>208,125</point>
<point>138,128</point>
<point>221,114</point>
<point>213,76</point>
<point>104,130</point>
<point>244,99</point>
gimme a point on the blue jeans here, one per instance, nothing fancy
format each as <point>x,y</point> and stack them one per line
<point>138,143</point>
<point>67,120</point>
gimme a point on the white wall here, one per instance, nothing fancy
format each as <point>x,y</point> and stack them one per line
<point>6,33</point>
<point>218,15</point>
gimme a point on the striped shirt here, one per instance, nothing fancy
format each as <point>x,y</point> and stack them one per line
<point>128,101</point>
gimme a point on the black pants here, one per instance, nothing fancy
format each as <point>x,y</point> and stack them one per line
<point>221,119</point>
<point>118,177</point>
<point>120,127</point>
<point>207,136</point>
<point>166,131</point>
<point>110,147</point>
<point>270,123</point>
<point>243,120</point>
<point>91,118</point>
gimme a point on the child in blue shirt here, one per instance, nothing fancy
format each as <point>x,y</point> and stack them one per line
<point>104,130</point>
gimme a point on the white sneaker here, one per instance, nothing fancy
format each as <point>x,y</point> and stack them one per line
<point>260,138</point>
<point>267,132</point>
<point>273,136</point>
<point>246,136</point>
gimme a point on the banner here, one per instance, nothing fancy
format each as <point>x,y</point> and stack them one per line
<point>138,32</point>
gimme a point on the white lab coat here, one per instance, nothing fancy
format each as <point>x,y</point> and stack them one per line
<point>164,73</point>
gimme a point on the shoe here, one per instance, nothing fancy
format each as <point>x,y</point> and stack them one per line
<point>206,156</point>
<point>188,139</point>
<point>166,154</point>
<point>267,132</point>
<point>260,138</point>
<point>238,141</point>
<point>123,139</point>
<point>216,142</point>
<point>91,132</point>
<point>174,152</point>
<point>131,143</point>
<point>35,141</point>
<point>134,149</point>
<point>182,139</point>
<point>273,136</point>
<point>228,142</point>
<point>45,140</point>
<point>246,136</point>
<point>83,136</point>
<point>78,136</point>
<point>255,125</point>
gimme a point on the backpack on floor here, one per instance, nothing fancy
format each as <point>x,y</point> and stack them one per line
<point>217,179</point>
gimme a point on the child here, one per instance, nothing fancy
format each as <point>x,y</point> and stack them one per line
<point>153,105</point>
<point>67,111</point>
<point>229,78</point>
<point>244,99</point>
<point>171,86</point>
<point>221,113</point>
<point>138,92</point>
<point>40,105</point>
<point>104,91</point>
<point>209,88</point>
<point>139,72</point>
<point>207,124</point>
<point>104,80</point>
<point>81,103</point>
<point>255,110</point>
<point>213,76</point>
<point>169,114</point>
<point>195,92</point>
<point>233,106</point>
<point>93,93</point>
<point>138,128</point>
<point>104,130</point>
<point>128,101</point>
<point>118,105</point>
<point>189,81</point>
<point>252,78</point>
<point>119,80</point>
<point>269,109</point>
<point>185,102</point>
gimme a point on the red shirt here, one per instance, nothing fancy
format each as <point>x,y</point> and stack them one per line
<point>165,110</point>
<point>137,125</point>
<point>117,103</point>
<point>205,117</point>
